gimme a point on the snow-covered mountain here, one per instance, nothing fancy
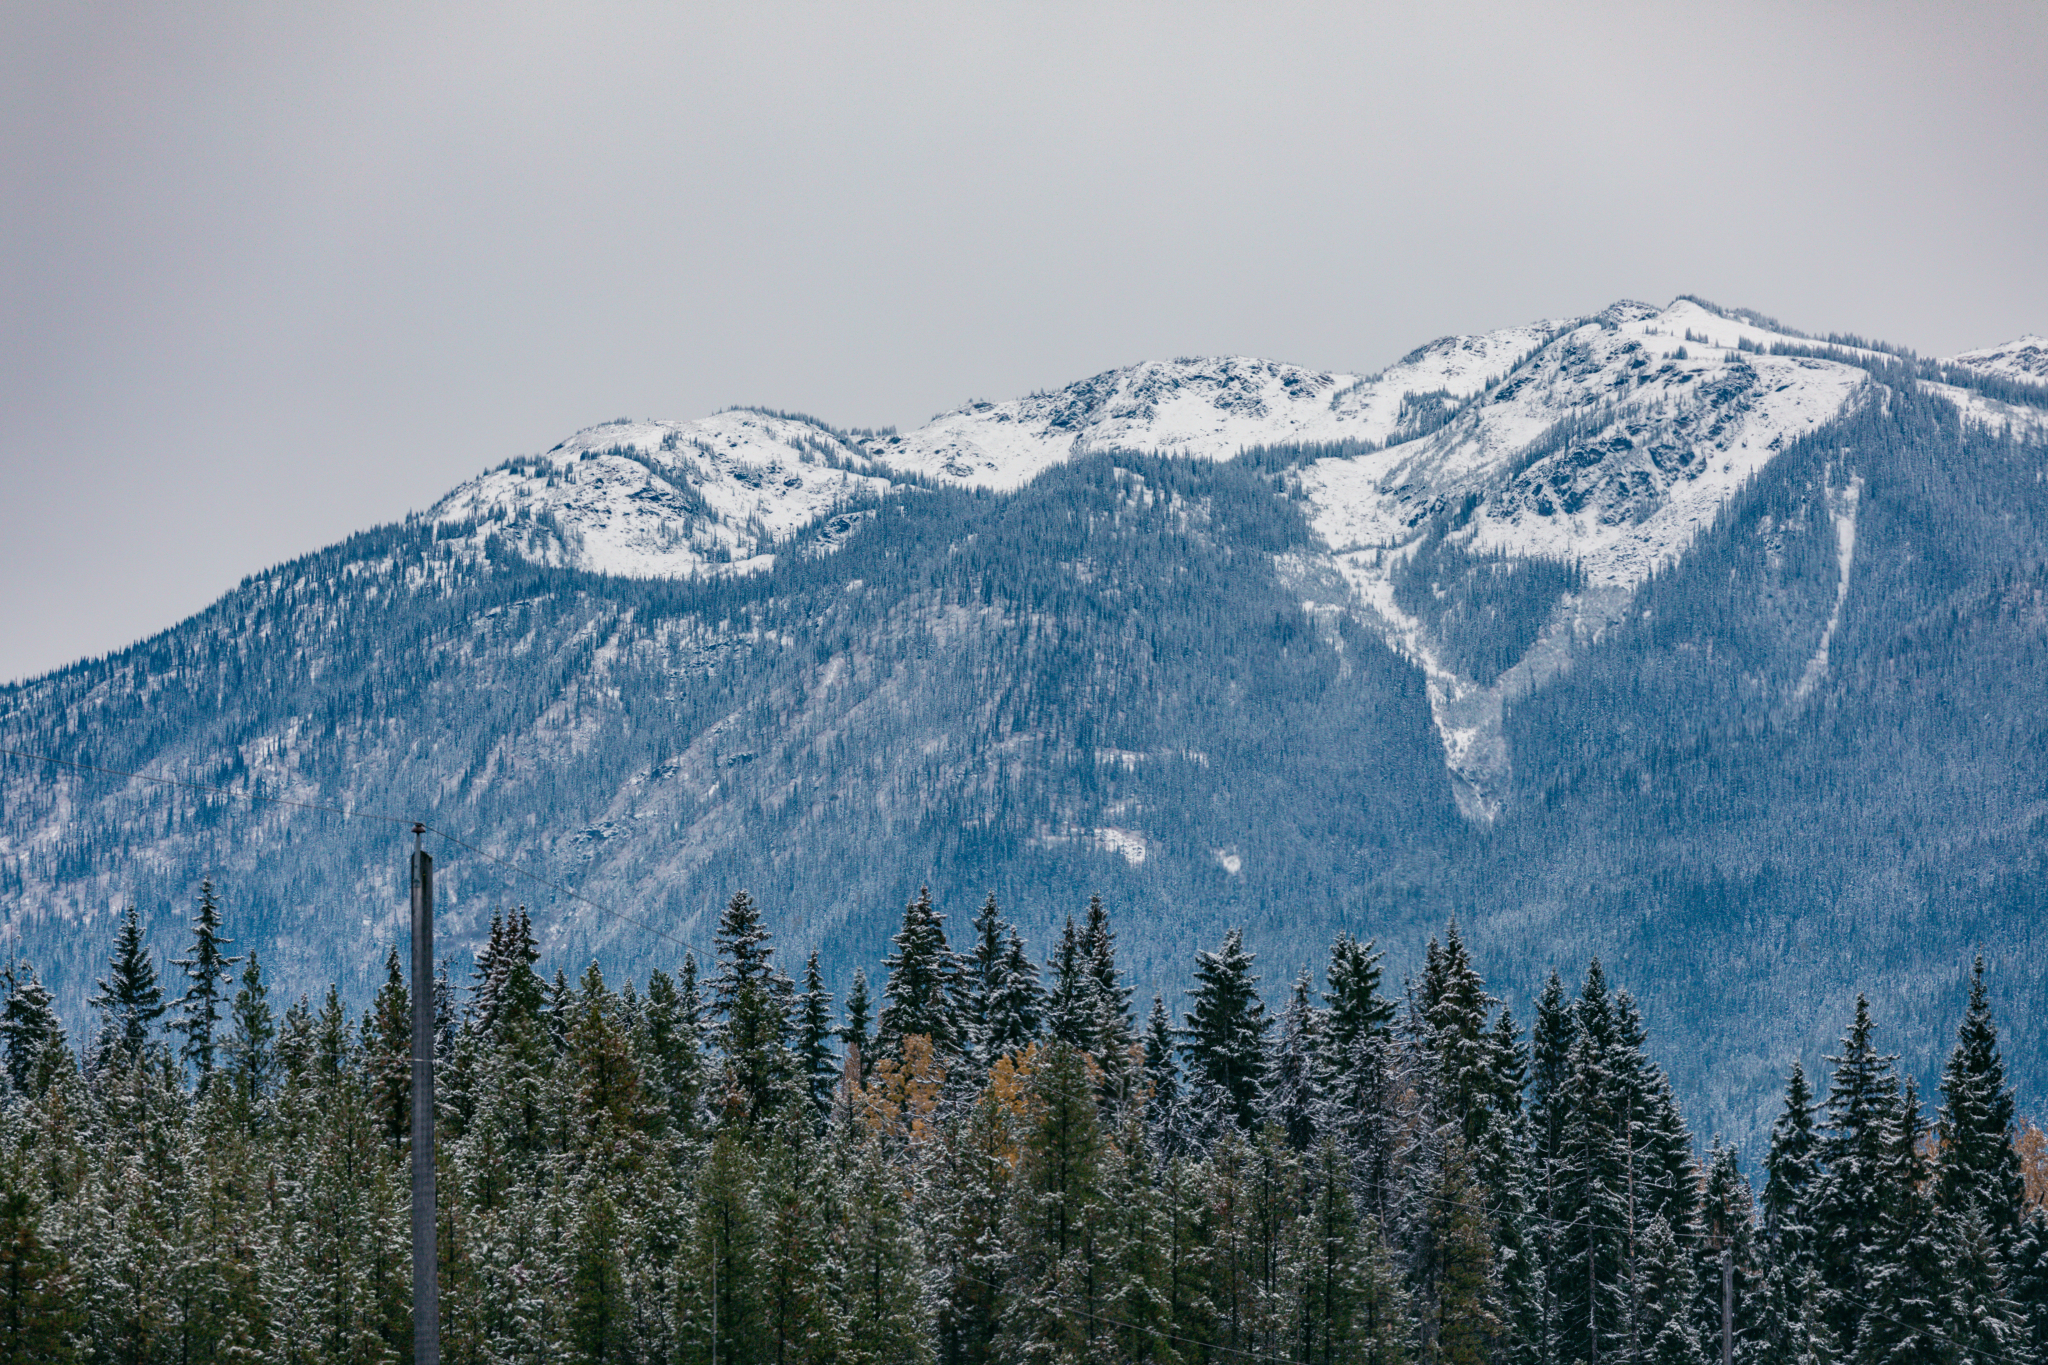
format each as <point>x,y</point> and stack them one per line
<point>673,499</point>
<point>2024,359</point>
<point>1594,630</point>
<point>1606,444</point>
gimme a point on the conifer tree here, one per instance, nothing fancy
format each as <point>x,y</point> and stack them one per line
<point>982,979</point>
<point>1058,1211</point>
<point>924,980</point>
<point>2027,1279</point>
<point>1109,997</point>
<point>854,1033</point>
<point>28,1026</point>
<point>253,1033</point>
<point>798,1324</point>
<point>1589,1209</point>
<point>1069,1005</point>
<point>1856,1150</point>
<point>1791,1171</point>
<point>1292,1096</point>
<point>675,1054</point>
<point>885,1314</point>
<point>1455,1006</point>
<point>1017,1010</point>
<point>1979,1168</point>
<point>1162,1079</point>
<point>1355,1006</point>
<point>129,999</point>
<point>206,968</point>
<point>1904,1266</point>
<point>1727,1241</point>
<point>387,1055</point>
<point>559,1004</point>
<point>1225,1032</point>
<point>39,1308</point>
<point>817,1069</point>
<point>1328,1253</point>
<point>748,994</point>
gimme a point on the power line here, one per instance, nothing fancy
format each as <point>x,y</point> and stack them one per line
<point>359,814</point>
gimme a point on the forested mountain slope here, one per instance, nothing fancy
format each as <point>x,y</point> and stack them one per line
<point>1668,634</point>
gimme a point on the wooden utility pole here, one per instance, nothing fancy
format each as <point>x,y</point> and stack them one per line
<point>1727,1300</point>
<point>426,1270</point>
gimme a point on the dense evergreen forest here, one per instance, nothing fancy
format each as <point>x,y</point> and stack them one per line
<point>980,1159</point>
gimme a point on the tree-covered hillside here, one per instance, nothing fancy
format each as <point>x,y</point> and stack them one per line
<point>1804,758</point>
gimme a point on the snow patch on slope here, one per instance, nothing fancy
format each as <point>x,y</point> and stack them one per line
<point>1842,511</point>
<point>1613,447</point>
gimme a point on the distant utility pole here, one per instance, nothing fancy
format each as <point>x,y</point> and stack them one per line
<point>426,1271</point>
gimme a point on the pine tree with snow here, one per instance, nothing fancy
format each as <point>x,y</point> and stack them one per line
<point>1857,1149</point>
<point>1588,1180</point>
<point>816,1066</point>
<point>129,999</point>
<point>39,1308</point>
<point>206,969</point>
<point>982,979</point>
<point>674,1021</point>
<point>1162,1081</point>
<point>1665,1289</point>
<point>251,1037</point>
<point>387,1055</point>
<point>884,1313</point>
<point>855,1033</point>
<point>920,996</point>
<point>1223,1038</point>
<point>1292,1094</point>
<point>1069,1004</point>
<point>1354,1003</point>
<point>1978,1169</point>
<point>748,994</point>
<point>1017,1009</point>
<point>1791,1175</point>
<point>1108,993</point>
<point>29,1026</point>
<point>1905,1268</point>
<point>2027,1279</point>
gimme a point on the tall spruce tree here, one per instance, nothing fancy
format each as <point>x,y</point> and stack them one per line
<point>28,1026</point>
<point>1979,1169</point>
<point>750,997</point>
<point>1294,1086</point>
<point>1354,1003</point>
<point>1791,1171</point>
<point>817,1068</point>
<point>1108,994</point>
<point>1069,1005</point>
<point>253,1032</point>
<point>1224,1035</point>
<point>982,979</point>
<point>1857,1148</point>
<point>128,999</point>
<point>1017,1009</point>
<point>206,969</point>
<point>922,993</point>
<point>855,1033</point>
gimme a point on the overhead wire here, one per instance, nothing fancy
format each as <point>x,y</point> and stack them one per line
<point>347,813</point>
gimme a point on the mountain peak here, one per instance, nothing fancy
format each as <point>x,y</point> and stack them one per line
<point>2023,358</point>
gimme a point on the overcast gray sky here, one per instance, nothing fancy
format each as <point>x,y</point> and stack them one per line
<point>274,273</point>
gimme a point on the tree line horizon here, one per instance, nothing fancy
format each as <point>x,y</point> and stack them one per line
<point>985,1159</point>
